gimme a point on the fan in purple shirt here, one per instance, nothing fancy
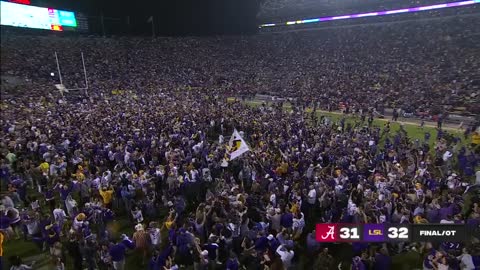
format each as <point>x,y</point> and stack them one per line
<point>117,252</point>
<point>358,264</point>
<point>382,260</point>
<point>287,219</point>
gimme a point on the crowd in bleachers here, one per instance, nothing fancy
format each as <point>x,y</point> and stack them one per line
<point>424,65</point>
<point>153,156</point>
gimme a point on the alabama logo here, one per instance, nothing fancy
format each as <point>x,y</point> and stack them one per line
<point>326,232</point>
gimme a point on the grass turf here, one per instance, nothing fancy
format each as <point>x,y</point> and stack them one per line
<point>412,128</point>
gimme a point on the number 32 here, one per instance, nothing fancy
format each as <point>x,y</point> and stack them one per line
<point>395,233</point>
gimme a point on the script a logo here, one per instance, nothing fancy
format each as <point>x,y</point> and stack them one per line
<point>375,232</point>
<point>326,232</point>
<point>330,234</point>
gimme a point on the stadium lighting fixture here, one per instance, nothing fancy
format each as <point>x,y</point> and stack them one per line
<point>374,13</point>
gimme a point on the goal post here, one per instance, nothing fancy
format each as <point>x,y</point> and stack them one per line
<point>61,87</point>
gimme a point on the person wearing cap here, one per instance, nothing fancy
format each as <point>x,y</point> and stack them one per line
<point>140,237</point>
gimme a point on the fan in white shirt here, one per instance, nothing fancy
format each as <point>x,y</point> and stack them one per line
<point>351,208</point>
<point>466,260</point>
<point>447,155</point>
<point>312,195</point>
<point>60,216</point>
<point>286,255</point>
<point>194,175</point>
<point>137,215</point>
<point>155,238</point>
<point>273,199</point>
<point>447,220</point>
<point>298,224</point>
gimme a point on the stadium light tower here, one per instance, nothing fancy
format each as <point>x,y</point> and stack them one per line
<point>61,87</point>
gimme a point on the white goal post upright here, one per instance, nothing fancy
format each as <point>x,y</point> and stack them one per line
<point>58,68</point>
<point>85,73</point>
<point>61,86</point>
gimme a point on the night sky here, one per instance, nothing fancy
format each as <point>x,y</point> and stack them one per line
<point>172,17</point>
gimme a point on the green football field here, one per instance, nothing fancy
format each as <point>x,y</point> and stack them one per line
<point>412,127</point>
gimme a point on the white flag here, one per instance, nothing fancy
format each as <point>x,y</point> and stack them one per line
<point>237,146</point>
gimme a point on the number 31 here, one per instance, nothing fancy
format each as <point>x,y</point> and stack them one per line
<point>349,233</point>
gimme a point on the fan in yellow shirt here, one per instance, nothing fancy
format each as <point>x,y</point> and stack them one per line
<point>419,220</point>
<point>79,175</point>
<point>476,138</point>
<point>170,220</point>
<point>295,208</point>
<point>44,167</point>
<point>107,196</point>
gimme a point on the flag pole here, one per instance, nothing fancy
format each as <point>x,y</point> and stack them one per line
<point>103,24</point>
<point>153,27</point>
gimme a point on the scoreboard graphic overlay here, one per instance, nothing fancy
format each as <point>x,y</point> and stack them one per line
<point>341,232</point>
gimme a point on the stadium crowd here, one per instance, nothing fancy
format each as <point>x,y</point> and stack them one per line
<point>429,66</point>
<point>144,175</point>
